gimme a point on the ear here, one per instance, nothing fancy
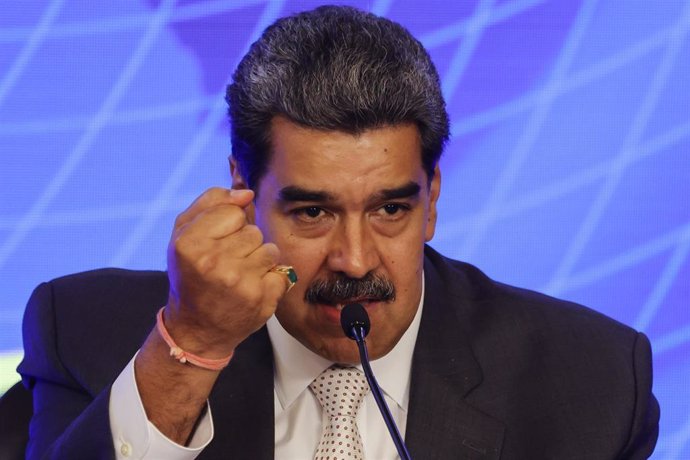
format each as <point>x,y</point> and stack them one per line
<point>434,192</point>
<point>239,183</point>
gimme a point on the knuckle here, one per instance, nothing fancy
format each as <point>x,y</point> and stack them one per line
<point>271,253</point>
<point>232,278</point>
<point>181,246</point>
<point>205,264</point>
<point>252,235</point>
<point>235,213</point>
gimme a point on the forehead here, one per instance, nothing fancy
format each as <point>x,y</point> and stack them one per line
<point>329,160</point>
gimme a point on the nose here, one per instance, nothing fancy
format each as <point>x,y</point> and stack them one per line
<point>353,249</point>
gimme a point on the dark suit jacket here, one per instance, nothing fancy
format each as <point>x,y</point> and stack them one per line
<point>498,372</point>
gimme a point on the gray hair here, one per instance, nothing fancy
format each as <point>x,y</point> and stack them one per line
<point>334,68</point>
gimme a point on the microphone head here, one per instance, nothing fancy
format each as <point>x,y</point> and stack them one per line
<point>352,316</point>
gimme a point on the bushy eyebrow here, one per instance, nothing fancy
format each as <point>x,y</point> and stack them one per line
<point>409,190</point>
<point>293,193</point>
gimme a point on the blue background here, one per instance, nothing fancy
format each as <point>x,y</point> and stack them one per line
<point>567,172</point>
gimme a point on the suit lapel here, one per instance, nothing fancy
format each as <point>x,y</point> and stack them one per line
<point>441,424</point>
<point>242,404</point>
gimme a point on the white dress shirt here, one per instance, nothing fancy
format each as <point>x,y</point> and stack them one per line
<point>299,419</point>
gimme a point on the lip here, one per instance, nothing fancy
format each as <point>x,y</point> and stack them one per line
<point>331,313</point>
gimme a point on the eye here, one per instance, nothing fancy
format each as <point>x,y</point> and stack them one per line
<point>309,214</point>
<point>392,211</point>
<point>312,212</point>
<point>392,208</point>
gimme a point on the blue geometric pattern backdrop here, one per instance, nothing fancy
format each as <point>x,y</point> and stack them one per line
<point>567,173</point>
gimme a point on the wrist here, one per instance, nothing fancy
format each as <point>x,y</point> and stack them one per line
<point>192,334</point>
<point>201,356</point>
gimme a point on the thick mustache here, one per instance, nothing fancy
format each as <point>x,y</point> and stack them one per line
<point>342,289</point>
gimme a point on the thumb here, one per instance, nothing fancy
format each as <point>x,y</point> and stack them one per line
<point>241,197</point>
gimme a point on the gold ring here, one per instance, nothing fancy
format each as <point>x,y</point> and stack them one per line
<point>289,272</point>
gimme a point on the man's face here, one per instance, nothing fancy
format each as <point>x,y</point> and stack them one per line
<point>345,207</point>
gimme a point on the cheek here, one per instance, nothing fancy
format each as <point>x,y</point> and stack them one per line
<point>306,257</point>
<point>274,228</point>
<point>404,264</point>
<point>412,239</point>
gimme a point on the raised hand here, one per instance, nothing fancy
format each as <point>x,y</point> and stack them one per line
<point>221,286</point>
<point>221,290</point>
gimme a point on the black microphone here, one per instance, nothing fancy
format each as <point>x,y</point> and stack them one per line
<point>355,323</point>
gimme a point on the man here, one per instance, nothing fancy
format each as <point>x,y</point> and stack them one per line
<point>337,126</point>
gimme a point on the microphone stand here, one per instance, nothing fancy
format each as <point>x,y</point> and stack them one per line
<point>358,332</point>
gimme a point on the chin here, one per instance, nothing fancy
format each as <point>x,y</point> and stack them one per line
<point>345,351</point>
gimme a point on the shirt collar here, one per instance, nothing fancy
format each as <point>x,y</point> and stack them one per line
<point>296,366</point>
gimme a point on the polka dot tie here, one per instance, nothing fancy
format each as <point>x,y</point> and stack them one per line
<point>340,390</point>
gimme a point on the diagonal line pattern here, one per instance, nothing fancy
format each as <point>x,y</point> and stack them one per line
<point>131,21</point>
<point>120,211</point>
<point>633,137</point>
<point>527,202</point>
<point>33,216</point>
<point>671,341</point>
<point>455,31</point>
<point>37,35</point>
<point>678,441</point>
<point>526,141</point>
<point>662,285</point>
<point>463,126</point>
<point>129,116</point>
<point>675,238</point>
<point>582,78</point>
<point>200,10</point>
<point>196,147</point>
<point>468,45</point>
<point>580,179</point>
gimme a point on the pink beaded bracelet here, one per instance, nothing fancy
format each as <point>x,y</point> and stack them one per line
<point>184,356</point>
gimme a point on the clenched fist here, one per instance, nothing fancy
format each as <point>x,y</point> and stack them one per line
<point>221,286</point>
